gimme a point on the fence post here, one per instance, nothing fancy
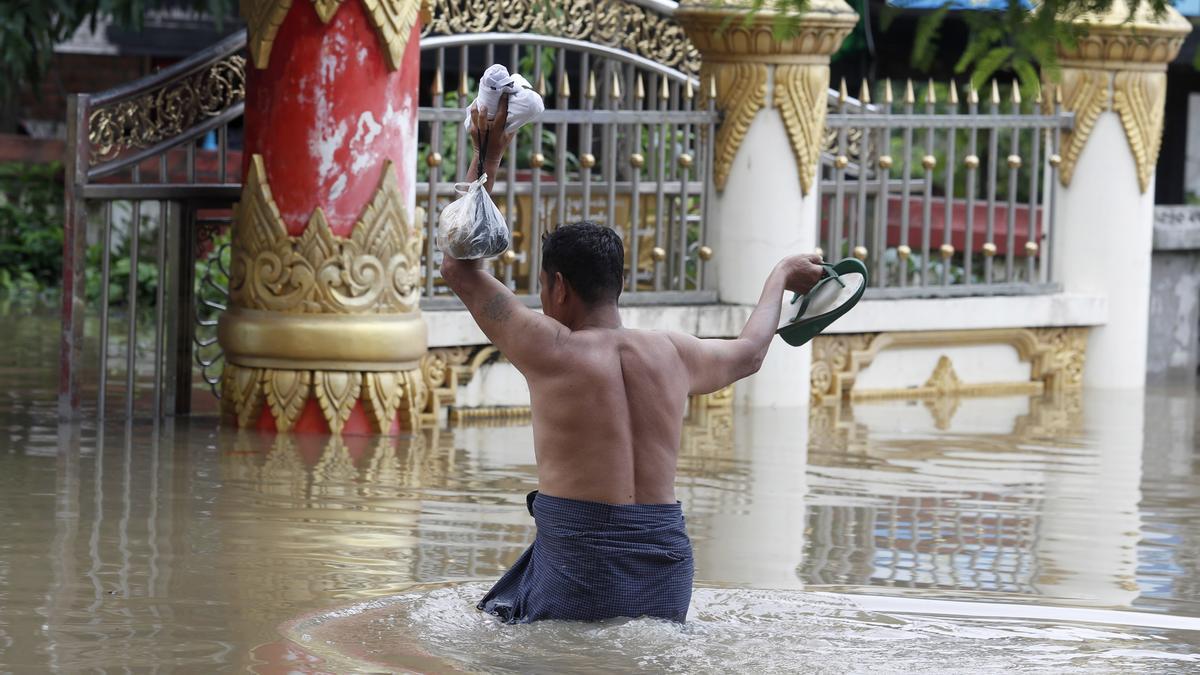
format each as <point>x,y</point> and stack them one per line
<point>74,300</point>
<point>773,95</point>
<point>1115,82</point>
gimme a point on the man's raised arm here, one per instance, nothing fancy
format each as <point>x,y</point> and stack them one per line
<point>714,364</point>
<point>524,336</point>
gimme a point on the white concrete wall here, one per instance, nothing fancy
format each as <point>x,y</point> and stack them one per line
<point>1102,246</point>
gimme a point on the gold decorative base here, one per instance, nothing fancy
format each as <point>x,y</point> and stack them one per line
<point>1056,357</point>
<point>385,396</point>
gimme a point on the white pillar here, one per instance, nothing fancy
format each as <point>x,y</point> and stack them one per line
<point>773,96</point>
<point>1115,83</point>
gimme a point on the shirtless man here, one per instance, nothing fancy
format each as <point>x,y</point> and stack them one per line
<point>608,405</point>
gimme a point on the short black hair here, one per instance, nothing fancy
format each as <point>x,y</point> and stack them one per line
<point>590,257</point>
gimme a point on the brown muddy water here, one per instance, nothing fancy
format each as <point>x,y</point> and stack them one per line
<point>976,535</point>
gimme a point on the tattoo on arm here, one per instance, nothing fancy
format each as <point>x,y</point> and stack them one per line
<point>497,308</point>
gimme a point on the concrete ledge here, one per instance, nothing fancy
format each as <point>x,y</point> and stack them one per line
<point>452,328</point>
<point>977,313</point>
<point>1176,228</point>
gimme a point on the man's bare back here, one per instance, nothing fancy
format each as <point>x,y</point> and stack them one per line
<point>606,425</point>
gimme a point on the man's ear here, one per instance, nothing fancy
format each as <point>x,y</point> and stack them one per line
<point>559,288</point>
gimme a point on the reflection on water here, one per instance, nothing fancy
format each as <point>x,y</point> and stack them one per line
<point>185,546</point>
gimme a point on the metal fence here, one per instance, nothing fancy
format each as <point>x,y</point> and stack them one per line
<point>619,144</point>
<point>149,165</point>
<point>940,197</point>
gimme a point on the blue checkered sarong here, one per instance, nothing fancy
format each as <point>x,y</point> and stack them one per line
<point>592,561</point>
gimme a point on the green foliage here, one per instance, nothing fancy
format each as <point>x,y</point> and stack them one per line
<point>31,233</point>
<point>29,29</point>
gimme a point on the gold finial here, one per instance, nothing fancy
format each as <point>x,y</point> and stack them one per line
<point>591,89</point>
<point>541,84</point>
<point>1016,93</point>
<point>564,87</point>
<point>995,93</point>
<point>688,92</point>
<point>931,93</point>
<point>640,89</point>
<point>663,92</point>
<point>616,85</point>
<point>436,88</point>
<point>842,94</point>
<point>864,92</point>
<point>972,93</point>
<point>953,93</point>
<point>909,96</point>
<point>1037,93</point>
<point>463,89</point>
<point>712,87</point>
<point>887,91</point>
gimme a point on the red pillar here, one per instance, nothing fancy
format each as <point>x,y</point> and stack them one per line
<point>325,332</point>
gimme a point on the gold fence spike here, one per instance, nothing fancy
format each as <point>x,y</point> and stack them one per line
<point>931,93</point>
<point>541,84</point>
<point>591,87</point>
<point>463,89</point>
<point>564,87</point>
<point>995,93</point>
<point>887,91</point>
<point>953,93</point>
<point>616,85</point>
<point>972,93</point>
<point>909,96</point>
<point>640,91</point>
<point>864,92</point>
<point>1037,93</point>
<point>664,92</point>
<point>1058,94</point>
<point>842,94</point>
<point>1016,93</point>
<point>436,88</point>
<point>712,87</point>
<point>688,92</point>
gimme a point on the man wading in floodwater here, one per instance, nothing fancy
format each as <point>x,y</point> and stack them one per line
<point>608,406</point>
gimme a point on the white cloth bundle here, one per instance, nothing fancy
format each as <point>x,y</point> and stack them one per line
<point>471,226</point>
<point>524,104</point>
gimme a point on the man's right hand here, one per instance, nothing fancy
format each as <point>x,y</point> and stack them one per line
<point>801,272</point>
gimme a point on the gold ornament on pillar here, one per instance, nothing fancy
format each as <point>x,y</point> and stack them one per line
<point>802,98</point>
<point>738,55</point>
<point>323,316</point>
<point>393,21</point>
<point>1127,56</point>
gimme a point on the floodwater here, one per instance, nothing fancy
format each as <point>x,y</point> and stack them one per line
<point>1047,534</point>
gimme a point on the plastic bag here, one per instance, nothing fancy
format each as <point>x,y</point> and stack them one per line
<point>524,104</point>
<point>471,226</point>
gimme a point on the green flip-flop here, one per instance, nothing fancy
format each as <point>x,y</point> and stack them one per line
<point>839,290</point>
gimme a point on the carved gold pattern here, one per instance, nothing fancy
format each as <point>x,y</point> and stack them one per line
<point>443,370</point>
<point>326,9</point>
<point>263,18</point>
<point>337,391</point>
<point>393,21</point>
<point>802,98</point>
<point>287,391</point>
<point>1056,357</point>
<point>741,93</point>
<point>384,395</point>
<point>167,111</point>
<point>722,32</point>
<point>373,271</point>
<point>943,379</point>
<point>615,23</point>
<point>1140,99</point>
<point>1085,93</point>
